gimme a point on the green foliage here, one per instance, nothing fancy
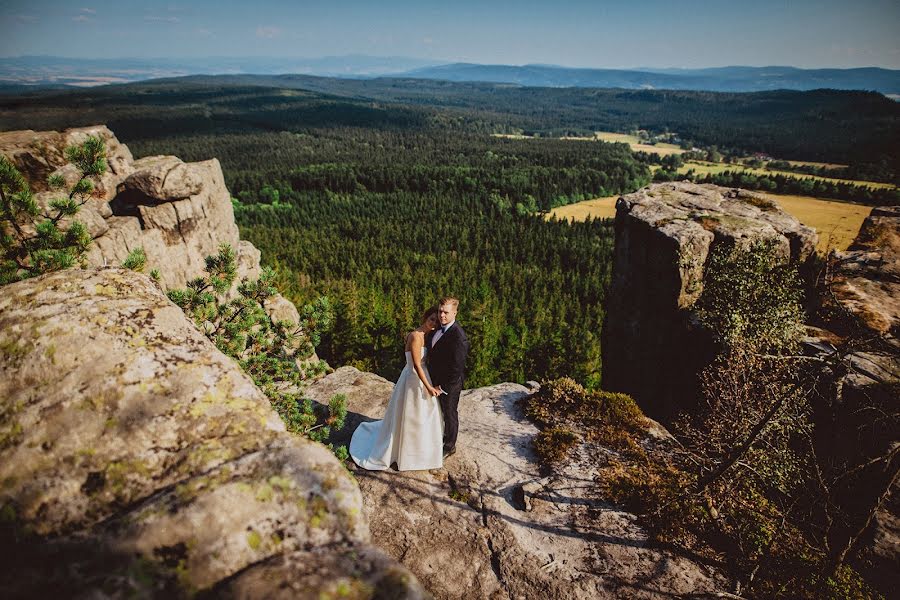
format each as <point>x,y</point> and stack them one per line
<point>136,260</point>
<point>825,125</point>
<point>267,350</point>
<point>382,257</point>
<point>752,297</point>
<point>33,238</point>
<point>655,490</point>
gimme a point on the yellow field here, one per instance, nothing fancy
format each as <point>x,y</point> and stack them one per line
<point>606,136</point>
<point>636,145</point>
<point>806,163</point>
<point>703,168</point>
<point>836,222</point>
<point>603,208</point>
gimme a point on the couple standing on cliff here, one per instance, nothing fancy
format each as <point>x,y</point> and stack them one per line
<point>420,425</point>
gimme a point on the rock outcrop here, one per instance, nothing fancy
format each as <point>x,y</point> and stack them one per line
<point>138,460</point>
<point>178,212</point>
<point>862,378</point>
<point>651,346</point>
<point>867,275</point>
<point>490,524</point>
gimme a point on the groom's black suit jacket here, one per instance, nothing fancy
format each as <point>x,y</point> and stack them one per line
<point>447,360</point>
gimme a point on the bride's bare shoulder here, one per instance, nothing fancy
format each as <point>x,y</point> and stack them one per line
<point>413,337</point>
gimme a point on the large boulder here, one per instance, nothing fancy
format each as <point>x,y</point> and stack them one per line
<point>177,233</point>
<point>136,459</point>
<point>652,347</point>
<point>158,179</point>
<point>490,524</point>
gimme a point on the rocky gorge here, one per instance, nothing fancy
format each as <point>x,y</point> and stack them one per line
<point>136,459</point>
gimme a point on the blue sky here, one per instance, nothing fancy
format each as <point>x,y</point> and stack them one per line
<point>655,33</point>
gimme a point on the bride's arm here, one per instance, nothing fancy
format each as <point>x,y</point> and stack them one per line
<point>415,346</point>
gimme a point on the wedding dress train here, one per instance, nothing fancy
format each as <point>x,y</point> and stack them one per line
<point>410,434</point>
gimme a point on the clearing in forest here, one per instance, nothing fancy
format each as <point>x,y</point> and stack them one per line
<point>836,222</point>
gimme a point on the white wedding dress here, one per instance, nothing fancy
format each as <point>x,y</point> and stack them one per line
<point>411,432</point>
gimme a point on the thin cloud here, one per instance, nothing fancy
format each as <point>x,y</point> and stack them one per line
<point>268,32</point>
<point>21,19</point>
<point>89,11</point>
<point>158,19</point>
<point>81,19</point>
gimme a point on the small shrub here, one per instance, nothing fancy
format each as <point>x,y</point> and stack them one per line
<point>752,297</point>
<point>655,490</point>
<point>612,419</point>
<point>268,351</point>
<point>33,240</point>
<point>553,445</point>
<point>136,260</point>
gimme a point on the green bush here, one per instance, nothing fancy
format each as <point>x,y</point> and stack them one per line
<point>753,297</point>
<point>269,351</point>
<point>33,239</point>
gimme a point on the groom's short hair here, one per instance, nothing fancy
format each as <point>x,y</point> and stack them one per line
<point>449,300</point>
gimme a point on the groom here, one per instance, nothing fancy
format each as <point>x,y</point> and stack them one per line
<point>447,349</point>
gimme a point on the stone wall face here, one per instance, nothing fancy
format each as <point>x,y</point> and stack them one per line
<point>652,346</point>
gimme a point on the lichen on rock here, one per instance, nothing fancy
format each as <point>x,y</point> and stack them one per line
<point>130,437</point>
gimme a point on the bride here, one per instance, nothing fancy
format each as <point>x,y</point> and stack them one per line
<point>412,429</point>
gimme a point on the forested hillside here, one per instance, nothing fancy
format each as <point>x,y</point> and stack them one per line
<point>386,194</point>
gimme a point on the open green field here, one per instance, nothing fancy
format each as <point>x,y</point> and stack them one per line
<point>703,168</point>
<point>836,222</point>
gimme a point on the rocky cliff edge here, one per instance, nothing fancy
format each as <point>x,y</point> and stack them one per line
<point>136,460</point>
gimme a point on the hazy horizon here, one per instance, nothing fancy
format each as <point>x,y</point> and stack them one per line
<point>578,34</point>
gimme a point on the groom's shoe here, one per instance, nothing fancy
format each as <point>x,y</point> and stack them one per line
<point>448,452</point>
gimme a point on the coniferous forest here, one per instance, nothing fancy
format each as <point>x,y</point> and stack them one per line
<point>384,194</point>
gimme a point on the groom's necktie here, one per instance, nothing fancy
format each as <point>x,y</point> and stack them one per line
<point>437,335</point>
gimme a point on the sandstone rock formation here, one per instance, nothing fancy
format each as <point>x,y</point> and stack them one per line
<point>664,234</point>
<point>863,371</point>
<point>490,524</point>
<point>178,212</point>
<point>867,277</point>
<point>137,460</point>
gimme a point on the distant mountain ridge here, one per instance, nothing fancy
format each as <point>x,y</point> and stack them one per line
<point>55,71</point>
<point>21,73</point>
<point>716,79</point>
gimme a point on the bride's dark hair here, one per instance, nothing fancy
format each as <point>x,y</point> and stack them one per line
<point>431,310</point>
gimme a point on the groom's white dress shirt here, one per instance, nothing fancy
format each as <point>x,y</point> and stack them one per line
<point>440,333</point>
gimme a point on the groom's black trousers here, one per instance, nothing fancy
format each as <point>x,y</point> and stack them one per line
<point>449,403</point>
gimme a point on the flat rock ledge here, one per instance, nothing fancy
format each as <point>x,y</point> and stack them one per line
<point>136,460</point>
<point>489,525</point>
